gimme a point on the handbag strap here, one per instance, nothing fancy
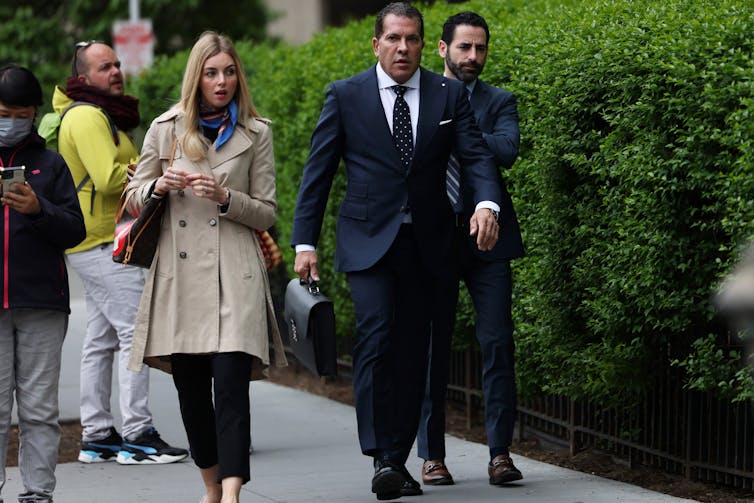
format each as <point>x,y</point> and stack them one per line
<point>172,150</point>
<point>124,198</point>
<point>122,202</point>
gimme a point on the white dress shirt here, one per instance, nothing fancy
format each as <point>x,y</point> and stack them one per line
<point>387,96</point>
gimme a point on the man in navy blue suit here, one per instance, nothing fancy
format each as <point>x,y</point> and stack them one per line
<point>394,126</point>
<point>487,274</point>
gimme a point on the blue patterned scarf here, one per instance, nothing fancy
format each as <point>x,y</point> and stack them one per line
<point>222,119</point>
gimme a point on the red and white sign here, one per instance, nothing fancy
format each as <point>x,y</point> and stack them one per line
<point>133,42</point>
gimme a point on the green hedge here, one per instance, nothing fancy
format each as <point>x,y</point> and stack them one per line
<point>634,183</point>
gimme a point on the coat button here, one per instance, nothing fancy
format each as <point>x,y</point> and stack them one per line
<point>180,193</point>
<point>182,223</point>
<point>212,222</point>
<point>183,254</point>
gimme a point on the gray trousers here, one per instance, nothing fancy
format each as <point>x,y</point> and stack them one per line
<point>113,292</point>
<point>31,342</point>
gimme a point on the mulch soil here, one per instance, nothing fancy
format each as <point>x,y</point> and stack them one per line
<point>589,461</point>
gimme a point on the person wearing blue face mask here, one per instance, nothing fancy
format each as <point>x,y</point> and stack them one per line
<point>13,130</point>
<point>40,219</point>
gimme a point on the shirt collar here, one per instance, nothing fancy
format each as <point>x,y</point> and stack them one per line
<point>385,81</point>
<point>470,86</point>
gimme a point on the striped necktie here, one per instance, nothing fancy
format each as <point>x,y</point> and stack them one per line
<point>453,177</point>
<point>453,184</point>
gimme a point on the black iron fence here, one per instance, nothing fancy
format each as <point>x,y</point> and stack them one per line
<point>677,430</point>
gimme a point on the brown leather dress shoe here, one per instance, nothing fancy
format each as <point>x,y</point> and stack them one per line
<point>501,470</point>
<point>435,473</point>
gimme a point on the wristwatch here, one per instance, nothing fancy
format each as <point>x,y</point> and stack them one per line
<point>495,214</point>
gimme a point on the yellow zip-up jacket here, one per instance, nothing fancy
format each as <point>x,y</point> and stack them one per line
<point>86,143</point>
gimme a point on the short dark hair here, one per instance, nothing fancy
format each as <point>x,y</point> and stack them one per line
<point>400,9</point>
<point>19,87</point>
<point>468,18</point>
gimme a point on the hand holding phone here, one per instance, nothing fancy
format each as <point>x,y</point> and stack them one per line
<point>17,194</point>
<point>12,175</point>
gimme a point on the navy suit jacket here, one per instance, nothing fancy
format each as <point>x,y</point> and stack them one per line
<point>497,117</point>
<point>352,127</point>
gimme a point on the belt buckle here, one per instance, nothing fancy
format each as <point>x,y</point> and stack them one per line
<point>459,220</point>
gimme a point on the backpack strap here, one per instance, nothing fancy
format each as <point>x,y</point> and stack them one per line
<point>113,127</point>
<point>94,190</point>
<point>116,139</point>
<point>82,183</point>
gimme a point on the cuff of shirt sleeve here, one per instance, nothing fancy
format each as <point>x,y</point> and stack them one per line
<point>303,248</point>
<point>488,204</point>
<point>151,193</point>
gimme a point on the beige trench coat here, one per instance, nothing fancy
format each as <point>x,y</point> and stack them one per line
<point>207,290</point>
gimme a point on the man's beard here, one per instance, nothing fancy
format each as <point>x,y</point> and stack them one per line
<point>467,74</point>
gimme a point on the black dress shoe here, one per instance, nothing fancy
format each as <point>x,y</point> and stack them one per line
<point>411,488</point>
<point>388,479</point>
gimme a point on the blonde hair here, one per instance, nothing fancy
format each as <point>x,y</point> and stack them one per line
<point>209,44</point>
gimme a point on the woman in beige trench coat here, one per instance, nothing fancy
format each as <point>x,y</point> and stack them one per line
<point>206,311</point>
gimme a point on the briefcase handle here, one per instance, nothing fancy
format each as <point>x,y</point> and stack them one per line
<point>312,285</point>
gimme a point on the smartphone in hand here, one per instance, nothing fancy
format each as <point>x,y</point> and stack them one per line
<point>11,175</point>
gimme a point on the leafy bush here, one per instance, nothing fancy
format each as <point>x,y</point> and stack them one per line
<point>630,110</point>
<point>633,185</point>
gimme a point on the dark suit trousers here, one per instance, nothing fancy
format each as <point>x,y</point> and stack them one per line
<point>218,434</point>
<point>392,302</point>
<point>490,287</point>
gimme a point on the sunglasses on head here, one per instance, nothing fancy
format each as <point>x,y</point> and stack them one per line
<point>78,47</point>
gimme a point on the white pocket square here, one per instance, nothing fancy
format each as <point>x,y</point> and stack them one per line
<point>445,122</point>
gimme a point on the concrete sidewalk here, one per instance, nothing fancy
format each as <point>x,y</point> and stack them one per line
<point>305,451</point>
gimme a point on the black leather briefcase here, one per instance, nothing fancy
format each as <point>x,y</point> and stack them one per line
<point>310,318</point>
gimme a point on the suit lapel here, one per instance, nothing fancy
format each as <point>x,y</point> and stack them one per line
<point>374,114</point>
<point>480,96</point>
<point>432,97</point>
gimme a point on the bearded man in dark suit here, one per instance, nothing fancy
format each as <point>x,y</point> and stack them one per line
<point>487,273</point>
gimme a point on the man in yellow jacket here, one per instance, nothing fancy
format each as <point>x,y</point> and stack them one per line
<point>94,139</point>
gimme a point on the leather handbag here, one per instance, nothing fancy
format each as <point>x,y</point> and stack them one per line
<point>136,238</point>
<point>310,318</point>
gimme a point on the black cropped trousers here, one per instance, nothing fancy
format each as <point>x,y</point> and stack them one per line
<point>218,433</point>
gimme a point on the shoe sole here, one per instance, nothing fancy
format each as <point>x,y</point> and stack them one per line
<point>388,496</point>
<point>387,486</point>
<point>505,480</point>
<point>129,458</point>
<point>90,457</point>
<point>439,482</point>
<point>411,492</point>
